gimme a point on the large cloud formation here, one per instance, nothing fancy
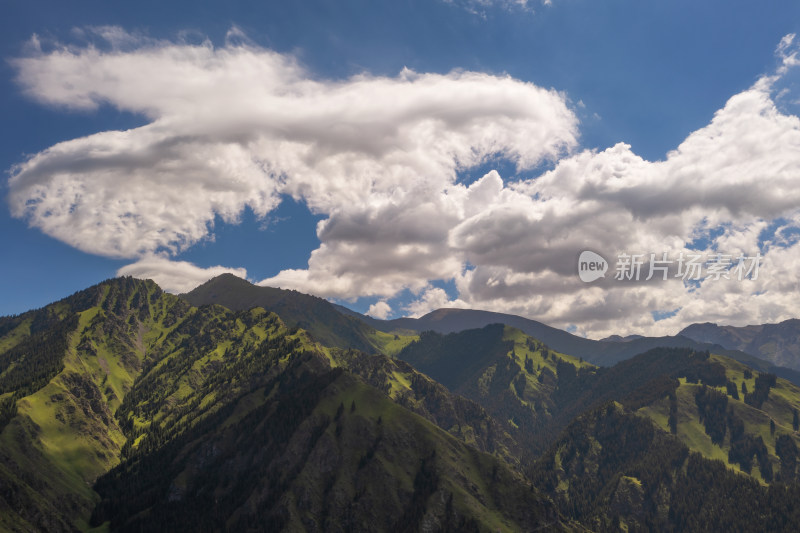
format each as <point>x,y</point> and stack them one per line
<point>238,126</point>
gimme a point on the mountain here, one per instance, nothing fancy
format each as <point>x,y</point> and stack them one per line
<point>315,315</point>
<point>776,343</point>
<point>640,444</point>
<point>618,338</point>
<point>514,377</point>
<point>605,353</point>
<point>715,405</point>
<point>318,452</point>
<point>127,408</point>
<point>123,408</point>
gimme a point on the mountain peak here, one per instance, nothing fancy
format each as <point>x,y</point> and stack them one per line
<point>316,315</point>
<point>225,280</point>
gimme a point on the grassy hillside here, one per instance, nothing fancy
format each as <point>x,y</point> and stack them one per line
<point>459,416</point>
<point>65,389</point>
<point>767,423</point>
<point>518,379</point>
<point>535,393</point>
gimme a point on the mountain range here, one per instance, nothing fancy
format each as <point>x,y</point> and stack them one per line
<point>604,352</point>
<point>776,343</point>
<point>244,408</point>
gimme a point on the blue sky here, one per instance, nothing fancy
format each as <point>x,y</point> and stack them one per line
<point>647,74</point>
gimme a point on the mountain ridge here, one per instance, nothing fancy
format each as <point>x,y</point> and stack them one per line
<point>603,352</point>
<point>316,315</point>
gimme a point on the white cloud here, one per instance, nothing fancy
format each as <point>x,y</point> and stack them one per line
<point>432,298</point>
<point>738,174</point>
<point>175,276</point>
<point>380,310</point>
<point>238,126</point>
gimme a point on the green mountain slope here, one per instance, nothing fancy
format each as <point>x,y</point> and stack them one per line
<point>515,377</point>
<point>700,398</point>
<point>614,471</point>
<point>318,452</point>
<point>459,416</point>
<point>317,316</point>
<point>64,435</point>
<point>745,431</point>
<point>123,375</point>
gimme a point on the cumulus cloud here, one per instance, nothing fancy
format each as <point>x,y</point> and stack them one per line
<point>175,276</point>
<point>236,126</point>
<point>433,298</point>
<point>718,191</point>
<point>239,126</point>
<point>379,309</point>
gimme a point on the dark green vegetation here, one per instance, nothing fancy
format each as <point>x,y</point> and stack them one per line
<point>323,452</point>
<point>127,409</point>
<point>612,469</point>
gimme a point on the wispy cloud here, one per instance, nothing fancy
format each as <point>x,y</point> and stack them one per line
<point>482,7</point>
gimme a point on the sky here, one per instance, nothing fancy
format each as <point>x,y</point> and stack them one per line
<point>397,157</point>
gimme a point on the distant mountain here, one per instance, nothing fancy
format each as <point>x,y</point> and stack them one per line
<point>604,353</point>
<point>618,338</point>
<point>598,352</point>
<point>315,315</point>
<point>776,343</point>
